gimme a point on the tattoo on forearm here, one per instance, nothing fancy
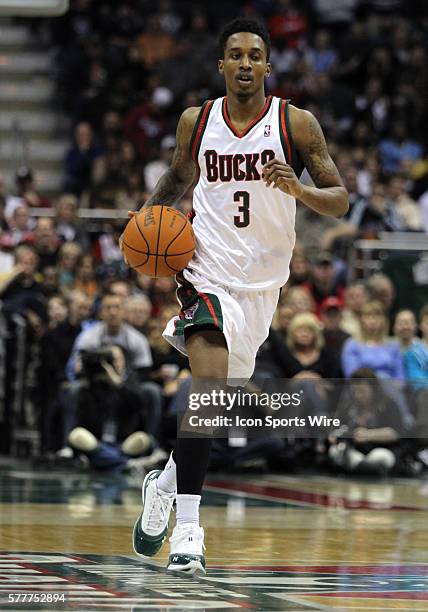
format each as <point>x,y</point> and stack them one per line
<point>317,160</point>
<point>175,181</point>
<point>168,190</point>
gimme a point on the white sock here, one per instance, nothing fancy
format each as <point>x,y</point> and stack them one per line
<point>188,508</point>
<point>167,481</point>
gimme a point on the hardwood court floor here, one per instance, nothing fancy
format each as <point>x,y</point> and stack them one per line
<point>276,542</point>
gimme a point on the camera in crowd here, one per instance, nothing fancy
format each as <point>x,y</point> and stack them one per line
<point>92,361</point>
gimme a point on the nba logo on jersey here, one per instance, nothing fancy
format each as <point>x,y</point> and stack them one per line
<point>267,130</point>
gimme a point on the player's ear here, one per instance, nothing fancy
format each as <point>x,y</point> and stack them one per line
<point>220,66</point>
<point>268,69</point>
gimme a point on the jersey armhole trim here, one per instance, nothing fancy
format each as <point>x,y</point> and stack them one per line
<point>290,134</point>
<point>199,129</point>
<point>285,140</point>
<point>298,164</point>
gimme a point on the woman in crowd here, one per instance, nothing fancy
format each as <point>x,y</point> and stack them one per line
<point>305,355</point>
<point>374,350</point>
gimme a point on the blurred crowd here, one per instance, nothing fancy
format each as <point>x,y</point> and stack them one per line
<point>124,73</point>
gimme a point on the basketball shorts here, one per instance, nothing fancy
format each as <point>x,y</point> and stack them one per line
<point>244,317</point>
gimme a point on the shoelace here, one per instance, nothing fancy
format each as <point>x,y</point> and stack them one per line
<point>159,512</point>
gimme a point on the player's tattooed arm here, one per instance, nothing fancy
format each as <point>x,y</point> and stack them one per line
<point>180,175</point>
<point>329,196</point>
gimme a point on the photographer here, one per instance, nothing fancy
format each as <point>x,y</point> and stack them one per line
<point>372,426</point>
<point>88,361</point>
<point>110,410</point>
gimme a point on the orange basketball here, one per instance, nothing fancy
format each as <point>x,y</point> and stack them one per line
<point>158,241</point>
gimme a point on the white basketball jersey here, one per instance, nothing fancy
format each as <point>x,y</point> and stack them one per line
<point>244,230</point>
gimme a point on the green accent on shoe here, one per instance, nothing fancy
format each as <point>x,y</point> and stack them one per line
<point>144,544</point>
<point>184,560</point>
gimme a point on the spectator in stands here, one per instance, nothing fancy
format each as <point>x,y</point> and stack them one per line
<point>46,242</point>
<point>305,359</point>
<point>298,299</point>
<point>111,408</point>
<point>416,355</point>
<point>355,297</point>
<point>406,208</point>
<point>374,426</point>
<point>154,169</point>
<point>20,289</point>
<point>112,131</point>
<point>56,347</point>
<point>68,226</point>
<point>110,455</point>
<point>381,64</point>
<point>50,281</point>
<point>324,281</point>
<point>138,309</point>
<point>305,356</point>
<point>57,311</point>
<point>85,276</point>
<point>405,328</point>
<point>68,259</point>
<point>26,189</point>
<point>80,159</point>
<point>337,16</point>
<point>167,362</point>
<point>107,190</point>
<point>283,316</point>
<point>268,359</point>
<point>416,368</point>
<point>423,204</point>
<point>144,126</point>
<point>120,288</point>
<point>373,350</point>
<point>331,318</point>
<point>20,230</point>
<point>381,289</point>
<point>288,22</point>
<point>338,236</point>
<point>381,215</point>
<point>398,148</point>
<point>132,195</point>
<point>299,267</point>
<point>322,57</point>
<point>163,293</point>
<point>113,330</point>
<point>156,44</point>
<point>373,106</point>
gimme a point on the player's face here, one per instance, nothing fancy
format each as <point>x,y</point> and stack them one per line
<point>245,64</point>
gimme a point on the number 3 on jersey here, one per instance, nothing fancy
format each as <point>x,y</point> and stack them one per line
<point>243,219</point>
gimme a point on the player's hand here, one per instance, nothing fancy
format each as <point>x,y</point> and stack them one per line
<point>282,176</point>
<point>131,213</point>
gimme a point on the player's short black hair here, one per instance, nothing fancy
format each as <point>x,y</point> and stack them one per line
<point>244,25</point>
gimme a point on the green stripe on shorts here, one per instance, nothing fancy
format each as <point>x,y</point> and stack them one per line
<point>199,309</point>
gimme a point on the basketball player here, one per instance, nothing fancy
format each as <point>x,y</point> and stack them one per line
<point>249,150</point>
